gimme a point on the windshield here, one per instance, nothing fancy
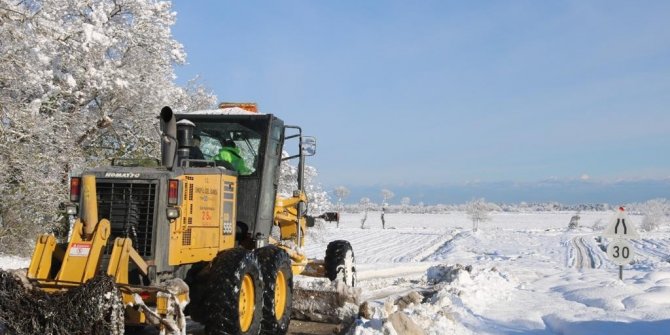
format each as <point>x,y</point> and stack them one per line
<point>240,143</point>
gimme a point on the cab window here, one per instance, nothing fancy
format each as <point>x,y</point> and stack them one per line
<point>247,141</point>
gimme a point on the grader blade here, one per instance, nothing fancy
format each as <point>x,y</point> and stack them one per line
<point>336,304</point>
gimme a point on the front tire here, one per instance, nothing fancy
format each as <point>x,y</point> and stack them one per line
<point>234,291</point>
<point>339,262</point>
<point>278,293</point>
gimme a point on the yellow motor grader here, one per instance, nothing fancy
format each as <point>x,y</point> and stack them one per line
<point>192,236</point>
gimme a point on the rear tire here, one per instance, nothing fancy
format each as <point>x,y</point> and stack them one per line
<point>234,294</point>
<point>278,293</point>
<point>340,262</point>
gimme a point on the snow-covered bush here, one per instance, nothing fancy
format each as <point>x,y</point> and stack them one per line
<point>655,213</point>
<point>574,221</point>
<point>478,210</point>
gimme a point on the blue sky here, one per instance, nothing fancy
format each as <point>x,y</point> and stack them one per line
<point>432,92</point>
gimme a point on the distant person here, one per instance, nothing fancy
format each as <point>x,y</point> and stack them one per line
<point>230,153</point>
<point>196,153</point>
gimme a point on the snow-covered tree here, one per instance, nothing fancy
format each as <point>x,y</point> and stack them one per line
<point>365,203</point>
<point>655,213</point>
<point>405,202</point>
<point>319,201</point>
<point>574,221</point>
<point>386,196</point>
<point>80,82</point>
<point>341,192</point>
<point>478,210</point>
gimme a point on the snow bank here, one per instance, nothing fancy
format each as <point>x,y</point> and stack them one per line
<point>222,111</point>
<point>13,262</point>
<point>458,291</point>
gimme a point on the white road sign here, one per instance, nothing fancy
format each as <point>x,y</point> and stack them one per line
<point>620,252</point>
<point>621,226</point>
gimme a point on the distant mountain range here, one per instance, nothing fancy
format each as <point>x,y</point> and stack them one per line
<point>563,191</point>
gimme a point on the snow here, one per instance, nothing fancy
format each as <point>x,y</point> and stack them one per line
<point>520,273</point>
<point>223,111</point>
<point>529,274</point>
<point>13,262</point>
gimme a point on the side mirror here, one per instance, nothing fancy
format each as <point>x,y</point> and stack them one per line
<point>308,145</point>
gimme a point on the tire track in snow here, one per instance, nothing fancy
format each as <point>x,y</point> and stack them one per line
<point>652,248</point>
<point>443,250</point>
<point>434,248</point>
<point>374,246</point>
<point>581,255</point>
<point>598,257</point>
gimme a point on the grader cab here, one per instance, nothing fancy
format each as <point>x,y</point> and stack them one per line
<point>192,236</point>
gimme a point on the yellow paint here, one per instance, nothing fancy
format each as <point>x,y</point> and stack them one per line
<point>286,217</point>
<point>82,256</point>
<point>162,304</point>
<point>40,264</point>
<point>122,254</point>
<point>280,295</point>
<point>198,235</point>
<point>247,302</point>
<point>90,205</point>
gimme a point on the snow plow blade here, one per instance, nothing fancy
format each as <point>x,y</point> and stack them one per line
<point>335,304</point>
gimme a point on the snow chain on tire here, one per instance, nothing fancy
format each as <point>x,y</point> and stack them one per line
<point>234,288</point>
<point>339,262</point>
<point>277,301</point>
<point>92,308</point>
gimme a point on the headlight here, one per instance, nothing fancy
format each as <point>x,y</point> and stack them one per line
<point>172,212</point>
<point>71,210</point>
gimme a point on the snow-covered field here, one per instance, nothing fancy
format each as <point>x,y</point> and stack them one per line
<point>530,275</point>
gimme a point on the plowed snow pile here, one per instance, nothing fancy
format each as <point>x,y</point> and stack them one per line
<point>458,292</point>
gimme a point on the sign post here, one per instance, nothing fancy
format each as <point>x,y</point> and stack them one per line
<point>620,252</point>
<point>620,229</point>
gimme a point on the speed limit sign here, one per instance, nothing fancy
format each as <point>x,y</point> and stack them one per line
<point>620,252</point>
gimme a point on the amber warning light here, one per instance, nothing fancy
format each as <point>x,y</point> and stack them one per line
<point>248,106</point>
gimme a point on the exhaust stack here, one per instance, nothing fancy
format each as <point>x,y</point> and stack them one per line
<point>169,137</point>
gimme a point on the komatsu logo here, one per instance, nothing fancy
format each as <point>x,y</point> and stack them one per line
<point>122,175</point>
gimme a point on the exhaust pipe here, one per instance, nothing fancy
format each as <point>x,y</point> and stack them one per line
<point>169,137</point>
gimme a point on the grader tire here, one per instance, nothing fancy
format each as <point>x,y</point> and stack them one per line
<point>339,262</point>
<point>278,293</point>
<point>234,299</point>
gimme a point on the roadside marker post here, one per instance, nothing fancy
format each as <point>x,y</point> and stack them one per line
<point>620,229</point>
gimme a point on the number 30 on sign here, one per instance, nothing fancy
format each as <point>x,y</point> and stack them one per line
<point>620,252</point>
